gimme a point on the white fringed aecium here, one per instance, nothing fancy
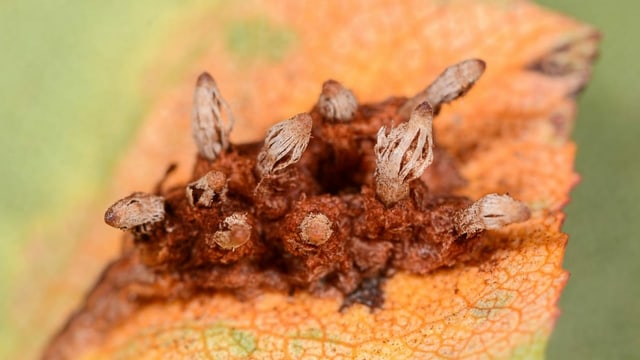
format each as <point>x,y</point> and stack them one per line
<point>491,212</point>
<point>204,191</point>
<point>337,103</point>
<point>452,83</point>
<point>284,144</point>
<point>137,212</point>
<point>403,154</point>
<point>209,130</point>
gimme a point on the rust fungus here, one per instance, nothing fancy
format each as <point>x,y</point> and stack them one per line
<point>330,201</point>
<point>321,204</point>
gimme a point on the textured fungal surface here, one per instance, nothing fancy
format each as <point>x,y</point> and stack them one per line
<point>291,248</point>
<point>297,214</point>
<point>319,206</point>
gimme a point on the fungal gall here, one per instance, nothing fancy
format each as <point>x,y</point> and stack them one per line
<point>337,211</point>
<point>329,222</point>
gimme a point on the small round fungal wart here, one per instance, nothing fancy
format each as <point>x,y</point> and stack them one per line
<point>234,232</point>
<point>315,229</point>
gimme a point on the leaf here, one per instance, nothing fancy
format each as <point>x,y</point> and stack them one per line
<point>505,302</point>
<point>510,134</point>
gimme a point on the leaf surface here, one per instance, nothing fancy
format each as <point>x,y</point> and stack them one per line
<point>509,134</point>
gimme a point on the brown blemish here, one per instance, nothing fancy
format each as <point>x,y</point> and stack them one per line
<point>369,293</point>
<point>334,177</point>
<point>577,54</point>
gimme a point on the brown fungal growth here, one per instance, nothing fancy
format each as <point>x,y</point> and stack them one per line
<point>321,206</point>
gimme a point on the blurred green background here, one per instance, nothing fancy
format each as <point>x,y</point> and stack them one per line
<point>70,77</point>
<point>601,303</point>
